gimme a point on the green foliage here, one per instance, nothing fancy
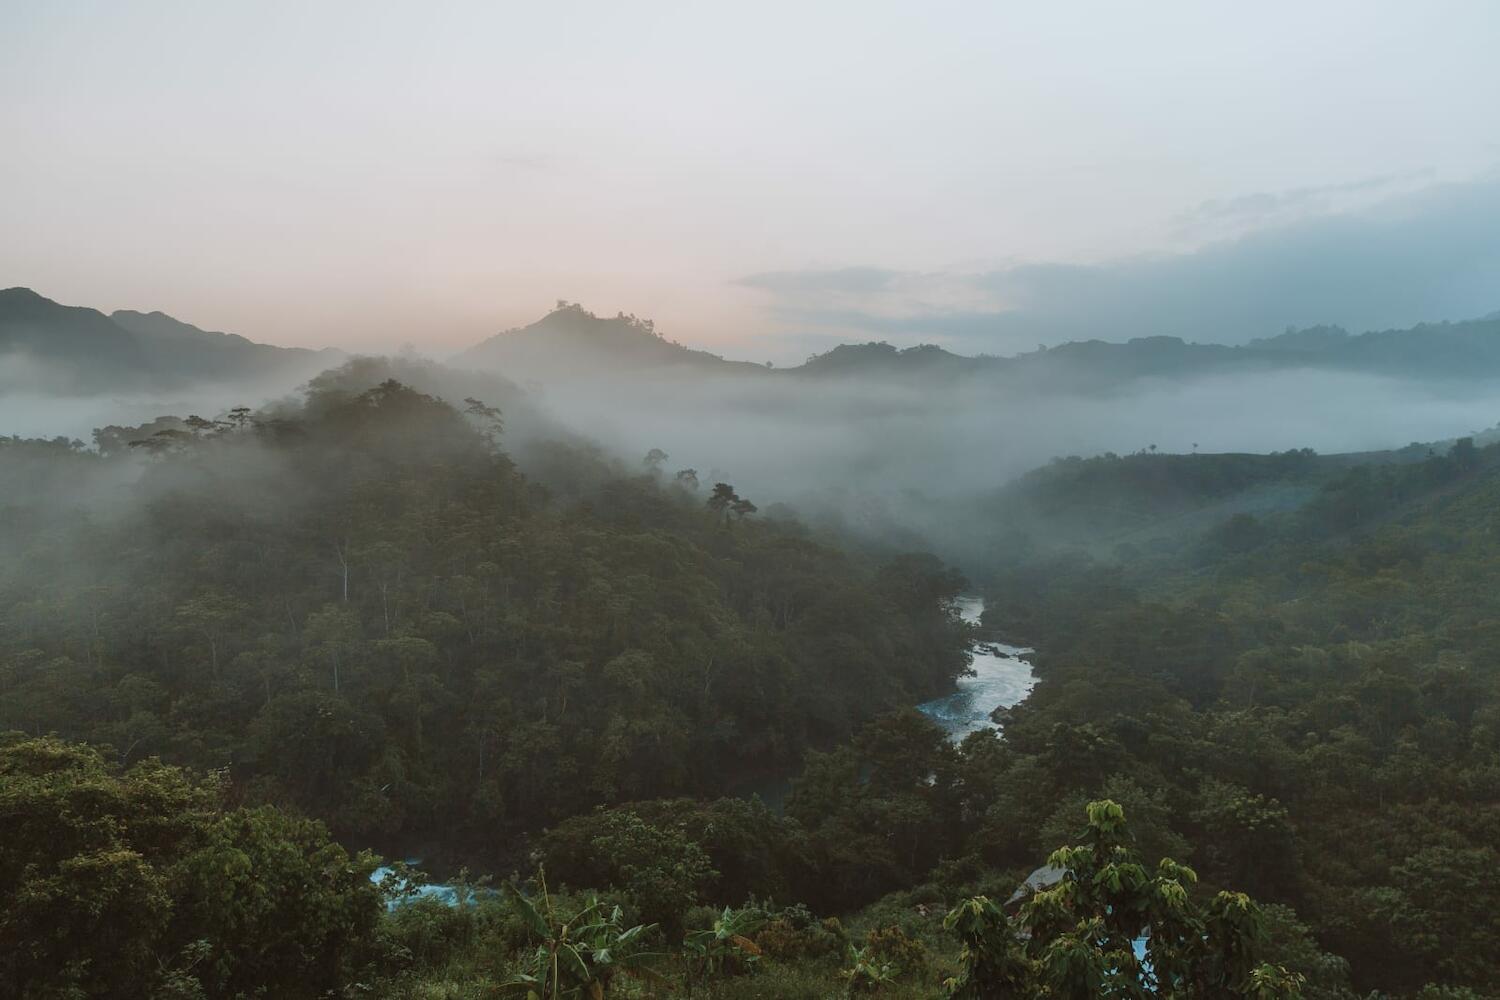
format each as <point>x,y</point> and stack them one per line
<point>362,609</point>
<point>795,933</point>
<point>1314,715</point>
<point>991,961</point>
<point>866,972</point>
<point>577,955</point>
<point>658,869</point>
<point>121,881</point>
<point>725,946</point>
<point>890,944</point>
<point>357,609</point>
<point>283,908</point>
<point>1077,937</point>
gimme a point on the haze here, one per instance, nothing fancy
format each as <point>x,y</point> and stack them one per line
<point>762,181</point>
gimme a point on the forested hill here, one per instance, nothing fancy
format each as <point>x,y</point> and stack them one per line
<point>72,349</point>
<point>1134,508</point>
<point>1309,698</point>
<point>362,609</point>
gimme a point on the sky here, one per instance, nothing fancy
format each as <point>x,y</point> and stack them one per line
<point>763,180</point>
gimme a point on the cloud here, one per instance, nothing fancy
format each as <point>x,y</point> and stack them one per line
<point>1271,207</point>
<point>841,280</point>
<point>1428,255</point>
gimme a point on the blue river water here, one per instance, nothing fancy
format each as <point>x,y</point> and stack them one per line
<point>1000,677</point>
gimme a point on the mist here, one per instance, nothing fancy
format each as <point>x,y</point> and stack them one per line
<point>812,443</point>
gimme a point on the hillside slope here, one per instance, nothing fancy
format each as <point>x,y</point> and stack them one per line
<point>572,342</point>
<point>67,349</point>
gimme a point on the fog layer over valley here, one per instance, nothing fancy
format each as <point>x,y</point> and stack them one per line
<point>787,437</point>
<point>864,438</point>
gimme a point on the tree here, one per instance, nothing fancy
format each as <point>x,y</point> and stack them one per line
<point>1445,908</point>
<point>283,909</point>
<point>116,880</point>
<point>84,853</point>
<point>210,616</point>
<point>1106,926</point>
<point>1464,455</point>
<point>654,459</point>
<point>660,871</point>
<point>688,478</point>
<point>722,500</point>
<point>334,630</point>
<point>163,442</point>
<point>489,419</point>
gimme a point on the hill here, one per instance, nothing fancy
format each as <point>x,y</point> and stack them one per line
<point>1465,350</point>
<point>570,341</point>
<point>77,349</point>
<point>69,349</point>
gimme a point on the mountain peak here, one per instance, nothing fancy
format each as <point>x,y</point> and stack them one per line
<point>571,342</point>
<point>21,293</point>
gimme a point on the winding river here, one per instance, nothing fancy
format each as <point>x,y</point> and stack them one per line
<point>1001,677</point>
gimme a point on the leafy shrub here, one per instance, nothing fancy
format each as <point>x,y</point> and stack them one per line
<point>892,945</point>
<point>795,933</point>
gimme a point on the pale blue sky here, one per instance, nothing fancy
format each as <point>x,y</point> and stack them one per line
<point>368,173</point>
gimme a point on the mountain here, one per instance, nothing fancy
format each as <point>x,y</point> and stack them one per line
<point>75,349</point>
<point>209,353</point>
<point>47,345</point>
<point>1463,350</point>
<point>64,339</point>
<point>570,342</point>
<point>885,360</point>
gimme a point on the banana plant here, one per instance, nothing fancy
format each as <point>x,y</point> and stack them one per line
<point>726,943</point>
<point>866,974</point>
<point>576,958</point>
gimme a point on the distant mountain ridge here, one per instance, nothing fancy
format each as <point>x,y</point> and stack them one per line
<point>73,348</point>
<point>571,343</point>
<point>62,348</point>
<point>1468,349</point>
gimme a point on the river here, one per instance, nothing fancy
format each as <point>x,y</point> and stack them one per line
<point>1001,677</point>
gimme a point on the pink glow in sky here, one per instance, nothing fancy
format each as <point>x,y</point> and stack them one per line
<point>367,174</point>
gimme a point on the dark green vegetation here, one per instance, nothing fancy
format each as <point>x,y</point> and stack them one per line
<point>363,610</point>
<point>142,883</point>
<point>358,610</point>
<point>1308,700</point>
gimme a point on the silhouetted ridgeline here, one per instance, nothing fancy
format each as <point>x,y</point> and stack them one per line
<point>81,350</point>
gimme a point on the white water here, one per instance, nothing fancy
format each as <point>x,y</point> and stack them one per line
<point>1001,677</point>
